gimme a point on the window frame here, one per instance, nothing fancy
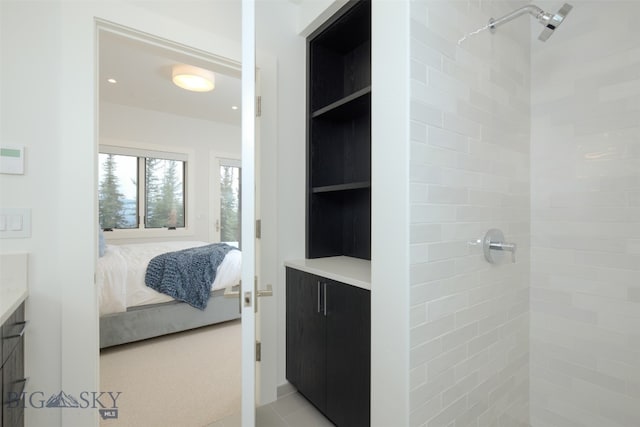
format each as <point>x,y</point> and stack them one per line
<point>141,151</point>
<point>217,159</point>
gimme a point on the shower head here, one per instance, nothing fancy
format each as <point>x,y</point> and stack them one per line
<point>550,21</point>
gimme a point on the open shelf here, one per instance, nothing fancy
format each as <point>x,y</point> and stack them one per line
<point>340,224</point>
<point>348,105</point>
<point>340,150</point>
<point>339,135</point>
<point>340,56</point>
<point>342,187</point>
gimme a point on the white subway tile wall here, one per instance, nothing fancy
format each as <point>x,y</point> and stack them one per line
<point>585,268</point>
<point>470,128</point>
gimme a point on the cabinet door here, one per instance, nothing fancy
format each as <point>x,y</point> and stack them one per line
<point>12,387</point>
<point>348,323</point>
<point>306,336</point>
<point>12,331</point>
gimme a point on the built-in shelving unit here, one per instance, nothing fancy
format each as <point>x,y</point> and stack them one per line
<point>328,310</point>
<point>339,135</point>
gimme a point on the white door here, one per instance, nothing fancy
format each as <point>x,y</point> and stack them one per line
<point>248,214</point>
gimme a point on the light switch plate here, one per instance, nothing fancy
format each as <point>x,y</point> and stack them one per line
<point>16,222</point>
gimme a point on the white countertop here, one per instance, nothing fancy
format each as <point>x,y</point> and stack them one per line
<point>353,271</point>
<point>13,283</point>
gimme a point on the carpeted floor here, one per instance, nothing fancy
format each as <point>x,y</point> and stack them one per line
<point>186,379</point>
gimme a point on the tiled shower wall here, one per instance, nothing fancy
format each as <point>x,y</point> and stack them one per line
<point>469,172</point>
<point>585,156</point>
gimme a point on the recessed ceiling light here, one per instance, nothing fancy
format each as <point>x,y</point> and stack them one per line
<point>234,107</point>
<point>113,81</point>
<point>193,78</point>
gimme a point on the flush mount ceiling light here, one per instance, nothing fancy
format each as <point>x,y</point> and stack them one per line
<point>193,78</point>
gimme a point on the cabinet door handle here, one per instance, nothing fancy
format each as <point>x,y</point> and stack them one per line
<point>318,296</point>
<point>19,334</point>
<point>16,397</point>
<point>324,291</point>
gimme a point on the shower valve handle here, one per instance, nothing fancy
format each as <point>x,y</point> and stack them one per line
<point>494,241</point>
<point>511,247</point>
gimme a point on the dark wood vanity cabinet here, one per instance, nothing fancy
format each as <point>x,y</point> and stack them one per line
<point>328,346</point>
<point>12,369</point>
<point>305,341</point>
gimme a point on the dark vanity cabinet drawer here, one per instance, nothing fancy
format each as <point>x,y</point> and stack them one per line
<point>13,383</point>
<point>328,344</point>
<point>12,369</point>
<point>12,331</point>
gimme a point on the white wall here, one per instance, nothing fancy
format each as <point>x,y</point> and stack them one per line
<point>390,213</point>
<point>128,126</point>
<point>54,118</point>
<point>585,157</point>
<point>469,173</point>
<point>28,117</point>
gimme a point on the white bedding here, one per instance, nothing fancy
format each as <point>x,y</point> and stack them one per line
<point>120,274</point>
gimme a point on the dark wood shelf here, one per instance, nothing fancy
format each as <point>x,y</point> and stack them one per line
<point>347,105</point>
<point>342,187</point>
<point>338,211</point>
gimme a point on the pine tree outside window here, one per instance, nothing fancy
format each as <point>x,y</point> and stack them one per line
<point>164,193</point>
<point>117,191</point>
<point>141,191</point>
<point>230,210</point>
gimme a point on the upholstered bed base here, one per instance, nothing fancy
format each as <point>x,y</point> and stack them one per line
<point>149,321</point>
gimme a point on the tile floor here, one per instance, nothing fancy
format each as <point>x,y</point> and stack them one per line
<point>290,410</point>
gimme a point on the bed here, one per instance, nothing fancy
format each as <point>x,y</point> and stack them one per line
<point>131,311</point>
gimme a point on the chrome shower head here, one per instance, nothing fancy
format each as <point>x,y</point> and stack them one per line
<point>550,21</point>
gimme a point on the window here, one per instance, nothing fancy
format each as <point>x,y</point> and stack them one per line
<point>230,210</point>
<point>225,201</point>
<point>117,191</point>
<point>141,189</point>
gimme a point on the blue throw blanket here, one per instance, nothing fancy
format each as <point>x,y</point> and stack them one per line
<point>187,275</point>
